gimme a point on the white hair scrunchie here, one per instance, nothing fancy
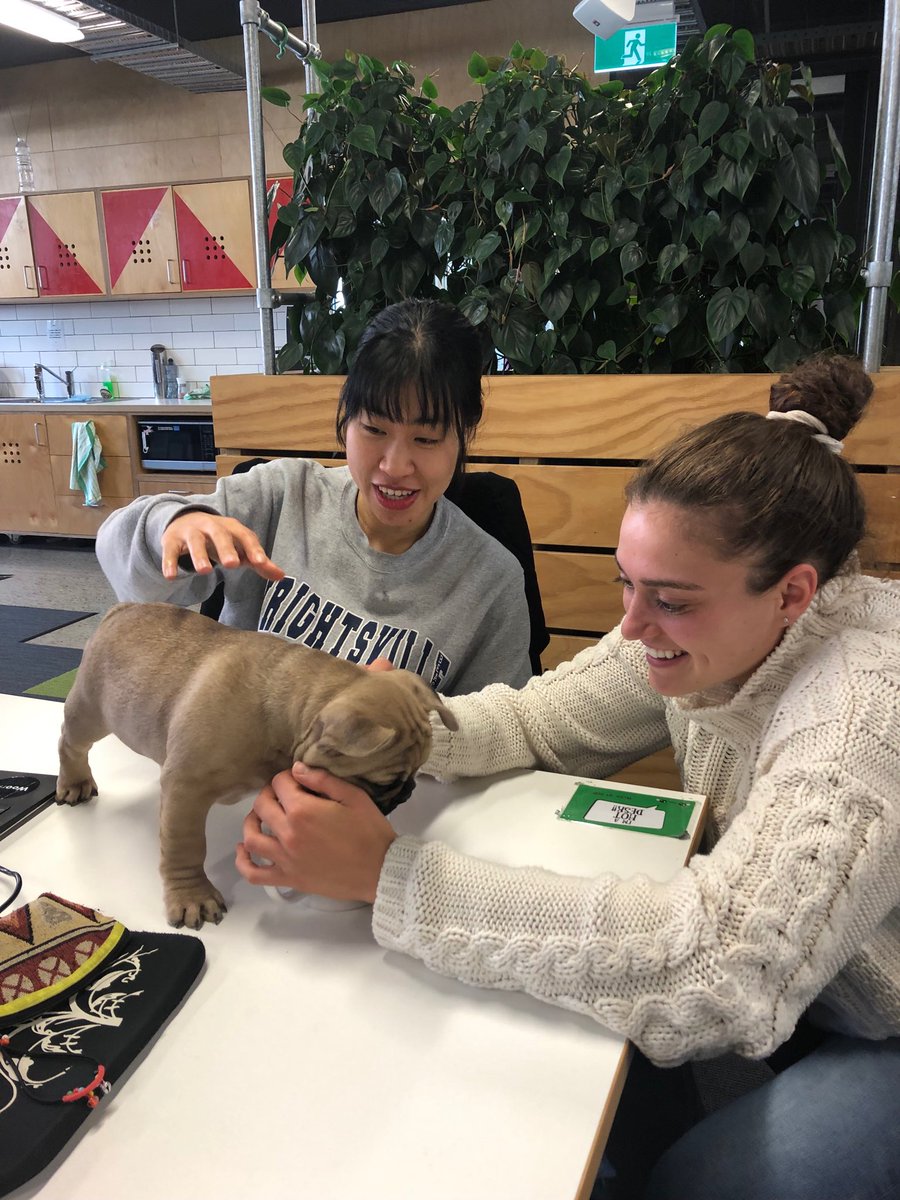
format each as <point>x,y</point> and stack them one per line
<point>805,418</point>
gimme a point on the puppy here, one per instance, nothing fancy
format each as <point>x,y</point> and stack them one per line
<point>223,710</point>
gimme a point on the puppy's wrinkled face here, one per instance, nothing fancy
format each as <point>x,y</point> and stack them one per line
<point>376,734</point>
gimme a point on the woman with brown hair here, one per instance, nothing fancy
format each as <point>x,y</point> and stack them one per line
<point>754,646</point>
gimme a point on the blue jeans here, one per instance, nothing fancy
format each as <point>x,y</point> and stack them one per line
<point>825,1128</point>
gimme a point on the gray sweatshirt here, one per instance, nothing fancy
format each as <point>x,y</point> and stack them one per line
<point>452,608</point>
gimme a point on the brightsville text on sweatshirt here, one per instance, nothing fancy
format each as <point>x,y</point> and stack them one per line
<point>294,611</point>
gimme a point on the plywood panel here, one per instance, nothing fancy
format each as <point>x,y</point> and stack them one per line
<point>77,521</point>
<point>112,432</point>
<point>578,590</point>
<point>547,416</point>
<point>656,770</point>
<point>563,647</point>
<point>115,479</point>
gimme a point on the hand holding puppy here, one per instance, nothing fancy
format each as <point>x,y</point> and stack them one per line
<point>327,836</point>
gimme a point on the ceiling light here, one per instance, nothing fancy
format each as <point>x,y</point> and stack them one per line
<point>39,22</point>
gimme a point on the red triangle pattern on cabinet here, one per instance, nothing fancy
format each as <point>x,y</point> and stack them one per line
<point>204,272</point>
<point>8,206</point>
<point>70,279</point>
<point>126,216</point>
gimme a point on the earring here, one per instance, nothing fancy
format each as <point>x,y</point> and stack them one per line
<point>786,622</point>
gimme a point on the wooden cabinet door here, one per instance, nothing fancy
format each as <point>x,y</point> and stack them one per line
<point>17,277</point>
<point>215,236</point>
<point>27,502</point>
<point>141,244</point>
<point>282,280</point>
<point>65,236</point>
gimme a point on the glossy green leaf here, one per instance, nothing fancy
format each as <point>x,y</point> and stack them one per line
<point>478,67</point>
<point>712,117</point>
<point>622,231</point>
<point>694,159</point>
<point>363,138</point>
<point>486,246</point>
<point>671,257</point>
<point>799,174</point>
<point>555,300</point>
<point>631,256</point>
<point>475,309</point>
<point>743,40</point>
<point>725,311</point>
<point>557,165</point>
<point>385,190</point>
<point>277,96</point>
<point>429,88</point>
<point>795,282</point>
<point>752,257</point>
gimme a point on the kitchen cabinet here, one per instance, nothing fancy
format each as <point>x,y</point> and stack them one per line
<point>283,281</point>
<point>27,501</point>
<point>65,238</point>
<point>215,236</point>
<point>141,241</point>
<point>17,276</point>
<point>116,482</point>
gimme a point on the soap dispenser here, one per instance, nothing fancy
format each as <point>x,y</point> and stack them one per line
<point>171,380</point>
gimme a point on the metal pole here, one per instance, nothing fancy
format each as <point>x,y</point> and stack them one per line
<point>254,19</point>
<point>309,32</point>
<point>250,13</point>
<point>883,197</point>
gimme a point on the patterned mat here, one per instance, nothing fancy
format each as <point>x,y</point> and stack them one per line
<point>26,668</point>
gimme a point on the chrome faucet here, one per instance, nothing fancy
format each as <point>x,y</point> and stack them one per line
<point>68,378</point>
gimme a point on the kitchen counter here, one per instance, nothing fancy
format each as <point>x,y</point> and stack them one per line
<point>130,408</point>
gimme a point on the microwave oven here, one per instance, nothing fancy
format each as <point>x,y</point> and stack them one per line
<point>179,444</point>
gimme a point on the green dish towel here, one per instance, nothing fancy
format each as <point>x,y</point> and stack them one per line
<point>87,460</point>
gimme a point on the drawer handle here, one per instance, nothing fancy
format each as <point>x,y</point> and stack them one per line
<point>29,282</point>
<point>181,491</point>
<point>38,426</point>
<point>185,270</point>
<point>170,271</point>
<point>42,276</point>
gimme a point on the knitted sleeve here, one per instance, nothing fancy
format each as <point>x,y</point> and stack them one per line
<point>727,954</point>
<point>593,715</point>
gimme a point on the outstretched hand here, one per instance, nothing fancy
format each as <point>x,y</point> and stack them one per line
<point>327,836</point>
<point>209,538</point>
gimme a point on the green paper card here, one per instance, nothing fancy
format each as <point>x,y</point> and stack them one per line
<point>662,815</point>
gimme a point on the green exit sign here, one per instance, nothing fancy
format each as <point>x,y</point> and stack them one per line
<point>636,48</point>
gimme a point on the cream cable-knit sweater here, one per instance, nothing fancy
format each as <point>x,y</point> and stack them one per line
<point>796,900</point>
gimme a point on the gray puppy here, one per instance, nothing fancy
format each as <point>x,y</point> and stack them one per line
<point>222,711</point>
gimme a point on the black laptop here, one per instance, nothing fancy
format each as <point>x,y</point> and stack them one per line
<point>22,794</point>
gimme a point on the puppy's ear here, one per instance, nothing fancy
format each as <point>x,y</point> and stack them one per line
<point>349,733</point>
<point>445,715</point>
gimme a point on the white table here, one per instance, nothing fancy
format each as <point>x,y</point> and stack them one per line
<point>308,1061</point>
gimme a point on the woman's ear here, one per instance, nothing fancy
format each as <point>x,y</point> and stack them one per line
<point>796,590</point>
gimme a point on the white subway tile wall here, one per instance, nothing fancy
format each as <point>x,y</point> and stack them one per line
<point>204,336</point>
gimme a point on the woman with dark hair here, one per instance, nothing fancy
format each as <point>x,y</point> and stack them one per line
<point>754,646</point>
<point>367,561</point>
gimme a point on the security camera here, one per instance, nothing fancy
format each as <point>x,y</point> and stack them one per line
<point>604,17</point>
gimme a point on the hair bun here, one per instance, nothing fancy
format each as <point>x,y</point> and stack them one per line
<point>832,387</point>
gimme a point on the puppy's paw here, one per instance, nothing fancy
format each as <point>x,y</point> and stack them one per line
<point>75,791</point>
<point>192,907</point>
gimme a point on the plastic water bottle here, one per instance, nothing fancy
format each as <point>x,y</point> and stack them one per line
<point>24,166</point>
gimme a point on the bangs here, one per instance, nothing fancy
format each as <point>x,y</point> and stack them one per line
<point>402,400</point>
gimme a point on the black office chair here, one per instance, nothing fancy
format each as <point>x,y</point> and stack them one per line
<point>493,502</point>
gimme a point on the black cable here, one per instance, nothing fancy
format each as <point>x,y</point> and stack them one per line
<point>17,887</point>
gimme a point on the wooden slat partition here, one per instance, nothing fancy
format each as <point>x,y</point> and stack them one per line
<point>570,443</point>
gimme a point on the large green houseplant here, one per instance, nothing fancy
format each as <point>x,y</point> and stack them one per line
<point>675,226</point>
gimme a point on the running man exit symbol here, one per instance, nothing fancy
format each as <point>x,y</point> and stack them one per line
<point>635,47</point>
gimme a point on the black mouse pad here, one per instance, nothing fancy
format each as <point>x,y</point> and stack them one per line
<point>22,794</point>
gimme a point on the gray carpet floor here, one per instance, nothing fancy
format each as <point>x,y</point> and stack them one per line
<point>55,573</point>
